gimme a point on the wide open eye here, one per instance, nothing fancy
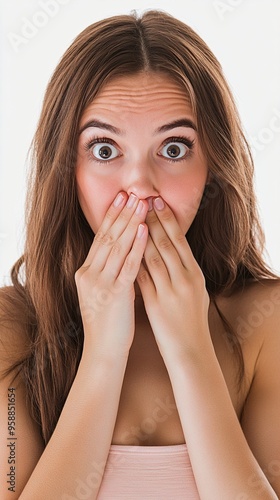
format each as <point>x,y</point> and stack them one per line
<point>103,151</point>
<point>176,148</point>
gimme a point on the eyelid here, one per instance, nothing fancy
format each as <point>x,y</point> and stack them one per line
<point>100,140</point>
<point>185,140</point>
<point>188,143</point>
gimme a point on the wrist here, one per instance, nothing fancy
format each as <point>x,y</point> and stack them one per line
<point>103,356</point>
<point>190,357</point>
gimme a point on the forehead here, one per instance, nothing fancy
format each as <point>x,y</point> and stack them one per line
<point>140,94</point>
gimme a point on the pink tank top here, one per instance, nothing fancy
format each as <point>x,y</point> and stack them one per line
<point>148,473</point>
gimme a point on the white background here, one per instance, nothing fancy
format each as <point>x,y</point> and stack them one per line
<point>243,34</point>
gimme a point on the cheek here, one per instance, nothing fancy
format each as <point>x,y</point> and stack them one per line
<point>94,197</point>
<point>185,200</point>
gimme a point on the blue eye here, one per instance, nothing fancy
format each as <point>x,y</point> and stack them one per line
<point>103,151</point>
<point>176,148</point>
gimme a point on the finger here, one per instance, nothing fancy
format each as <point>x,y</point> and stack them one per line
<point>156,266</point>
<point>105,240</point>
<point>123,245</point>
<point>145,283</point>
<point>132,262</point>
<point>111,215</point>
<point>113,225</point>
<point>173,230</point>
<point>165,247</point>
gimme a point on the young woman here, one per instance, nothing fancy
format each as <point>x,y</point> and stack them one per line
<point>140,340</point>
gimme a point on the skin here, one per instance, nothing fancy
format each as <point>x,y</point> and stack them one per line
<point>147,103</point>
<point>141,167</point>
<point>168,342</point>
<point>171,283</point>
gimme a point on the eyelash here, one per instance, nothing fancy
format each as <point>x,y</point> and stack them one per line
<point>97,140</point>
<point>184,140</point>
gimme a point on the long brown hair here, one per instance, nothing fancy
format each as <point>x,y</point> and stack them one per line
<point>225,236</point>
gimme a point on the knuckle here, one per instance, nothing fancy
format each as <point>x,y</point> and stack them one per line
<point>155,260</point>
<point>129,266</point>
<point>167,215</point>
<point>104,238</point>
<point>180,238</point>
<point>99,235</point>
<point>85,278</point>
<point>143,276</point>
<point>165,243</point>
<point>79,274</point>
<point>116,248</point>
<point>82,281</point>
<point>152,218</point>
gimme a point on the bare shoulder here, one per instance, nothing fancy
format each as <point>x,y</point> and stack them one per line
<point>254,317</point>
<point>21,443</point>
<point>257,323</point>
<point>257,320</point>
<point>254,313</point>
<point>258,327</point>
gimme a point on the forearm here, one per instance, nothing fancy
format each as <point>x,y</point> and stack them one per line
<point>223,464</point>
<point>77,451</point>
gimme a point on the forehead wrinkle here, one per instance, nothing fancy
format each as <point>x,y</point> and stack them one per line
<point>135,96</point>
<point>128,91</point>
<point>139,96</point>
<point>109,118</point>
<point>141,87</point>
<point>122,104</point>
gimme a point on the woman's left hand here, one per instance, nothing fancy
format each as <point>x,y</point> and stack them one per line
<point>173,288</point>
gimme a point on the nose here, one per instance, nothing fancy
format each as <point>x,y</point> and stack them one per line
<point>141,181</point>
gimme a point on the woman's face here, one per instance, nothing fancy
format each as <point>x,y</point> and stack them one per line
<point>139,136</point>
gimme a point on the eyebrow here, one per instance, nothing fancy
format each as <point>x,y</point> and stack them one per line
<point>183,122</point>
<point>103,125</point>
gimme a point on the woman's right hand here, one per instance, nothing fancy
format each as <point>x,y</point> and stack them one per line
<point>105,281</point>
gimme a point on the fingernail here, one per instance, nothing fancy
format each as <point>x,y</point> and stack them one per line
<point>159,203</point>
<point>150,202</point>
<point>131,200</point>
<point>119,199</point>
<point>140,230</point>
